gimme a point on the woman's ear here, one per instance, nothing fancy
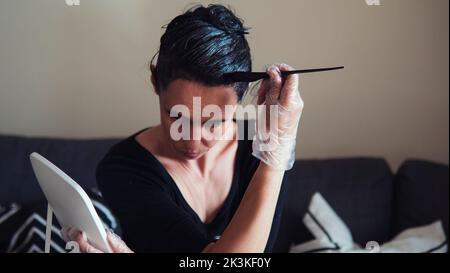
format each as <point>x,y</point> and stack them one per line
<point>153,78</point>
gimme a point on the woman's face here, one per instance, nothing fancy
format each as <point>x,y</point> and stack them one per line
<point>209,126</point>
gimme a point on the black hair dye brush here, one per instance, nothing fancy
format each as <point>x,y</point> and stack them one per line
<point>255,76</point>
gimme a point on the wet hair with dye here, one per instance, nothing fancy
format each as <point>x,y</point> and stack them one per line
<point>201,45</point>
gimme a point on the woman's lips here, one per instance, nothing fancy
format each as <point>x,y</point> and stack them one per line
<point>191,154</point>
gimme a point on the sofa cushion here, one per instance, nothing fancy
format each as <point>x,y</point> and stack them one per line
<point>77,158</point>
<point>421,195</point>
<point>333,236</point>
<point>359,189</point>
<point>22,227</point>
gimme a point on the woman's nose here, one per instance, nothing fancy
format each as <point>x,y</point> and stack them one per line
<point>192,146</point>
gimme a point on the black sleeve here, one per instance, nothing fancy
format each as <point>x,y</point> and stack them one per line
<point>150,220</point>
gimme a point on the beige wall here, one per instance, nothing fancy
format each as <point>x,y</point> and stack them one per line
<point>81,71</point>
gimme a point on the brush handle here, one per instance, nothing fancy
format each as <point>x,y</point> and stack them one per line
<point>255,76</point>
<point>304,71</point>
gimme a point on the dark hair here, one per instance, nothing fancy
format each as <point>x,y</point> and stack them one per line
<point>201,45</point>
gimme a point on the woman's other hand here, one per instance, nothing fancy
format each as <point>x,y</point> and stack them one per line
<point>115,242</point>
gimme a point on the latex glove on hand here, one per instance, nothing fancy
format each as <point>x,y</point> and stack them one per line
<point>115,242</point>
<point>276,146</point>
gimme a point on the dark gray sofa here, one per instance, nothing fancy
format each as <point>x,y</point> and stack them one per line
<point>374,202</point>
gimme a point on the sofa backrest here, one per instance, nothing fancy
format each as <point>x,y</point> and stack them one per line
<point>77,158</point>
<point>360,190</point>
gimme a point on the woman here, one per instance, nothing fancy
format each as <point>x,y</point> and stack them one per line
<point>202,195</point>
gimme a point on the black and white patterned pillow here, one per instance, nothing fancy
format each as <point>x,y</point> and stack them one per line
<point>333,236</point>
<point>22,227</point>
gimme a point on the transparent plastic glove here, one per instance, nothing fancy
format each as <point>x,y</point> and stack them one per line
<point>116,244</point>
<point>275,144</point>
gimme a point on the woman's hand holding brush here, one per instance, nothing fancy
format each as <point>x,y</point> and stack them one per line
<point>275,144</point>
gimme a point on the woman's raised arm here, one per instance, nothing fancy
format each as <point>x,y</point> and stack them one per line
<point>250,227</point>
